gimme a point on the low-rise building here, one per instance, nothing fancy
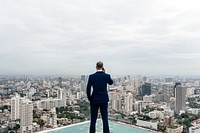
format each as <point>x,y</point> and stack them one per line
<point>148,124</point>
<point>193,111</point>
<point>174,129</point>
<point>50,118</point>
<point>3,129</point>
<point>195,129</point>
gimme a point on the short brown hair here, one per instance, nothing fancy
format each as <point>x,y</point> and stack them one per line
<point>99,64</point>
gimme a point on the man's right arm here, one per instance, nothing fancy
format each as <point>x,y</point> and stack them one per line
<point>110,82</point>
<point>89,85</point>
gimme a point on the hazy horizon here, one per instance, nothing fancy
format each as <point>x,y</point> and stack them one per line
<point>131,37</point>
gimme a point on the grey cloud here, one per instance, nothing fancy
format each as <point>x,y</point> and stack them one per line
<point>68,37</point>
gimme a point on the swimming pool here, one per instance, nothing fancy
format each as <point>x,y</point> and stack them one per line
<point>114,128</point>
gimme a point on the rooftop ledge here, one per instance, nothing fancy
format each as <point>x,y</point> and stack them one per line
<point>58,128</point>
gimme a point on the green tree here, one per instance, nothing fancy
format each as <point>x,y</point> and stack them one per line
<point>41,123</point>
<point>132,119</point>
<point>16,127</point>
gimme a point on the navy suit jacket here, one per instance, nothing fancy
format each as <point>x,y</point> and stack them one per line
<point>98,81</point>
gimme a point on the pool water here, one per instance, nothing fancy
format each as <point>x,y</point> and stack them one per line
<point>114,128</point>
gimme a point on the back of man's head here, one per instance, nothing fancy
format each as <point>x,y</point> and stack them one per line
<point>99,65</point>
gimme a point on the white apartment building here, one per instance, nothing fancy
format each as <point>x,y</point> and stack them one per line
<point>148,124</point>
<point>128,103</point>
<point>61,94</point>
<point>26,116</point>
<point>169,113</point>
<point>50,103</point>
<point>138,106</point>
<point>135,82</point>
<point>15,107</point>
<point>153,114</point>
<point>50,118</point>
<point>116,101</point>
<point>167,90</point>
<point>190,91</point>
<point>193,111</point>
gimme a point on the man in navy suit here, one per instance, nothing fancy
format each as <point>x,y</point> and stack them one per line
<point>99,97</point>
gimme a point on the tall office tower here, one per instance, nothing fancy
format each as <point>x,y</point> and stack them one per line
<point>167,91</point>
<point>83,86</point>
<point>145,89</point>
<point>180,98</point>
<point>83,78</point>
<point>145,79</point>
<point>26,116</point>
<point>15,107</point>
<point>176,84</point>
<point>60,82</point>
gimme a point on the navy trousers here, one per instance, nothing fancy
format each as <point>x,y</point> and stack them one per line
<point>104,114</point>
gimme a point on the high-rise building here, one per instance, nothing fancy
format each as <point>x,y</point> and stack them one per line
<point>83,86</point>
<point>50,103</point>
<point>145,89</point>
<point>145,79</point>
<point>48,93</point>
<point>176,84</point>
<point>138,106</point>
<point>50,118</point>
<point>134,82</point>
<point>180,98</point>
<point>26,116</point>
<point>83,78</point>
<point>60,82</point>
<point>15,107</point>
<point>167,91</point>
<point>128,103</point>
<point>29,85</point>
<point>61,94</point>
<point>172,103</point>
<point>116,101</point>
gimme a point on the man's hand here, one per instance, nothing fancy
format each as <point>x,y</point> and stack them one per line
<point>103,69</point>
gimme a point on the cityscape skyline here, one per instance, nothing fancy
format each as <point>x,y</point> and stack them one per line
<point>68,37</point>
<point>48,104</point>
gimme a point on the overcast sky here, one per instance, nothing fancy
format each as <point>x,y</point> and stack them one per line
<point>159,37</point>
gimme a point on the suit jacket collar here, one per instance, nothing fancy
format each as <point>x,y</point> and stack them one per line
<point>99,71</point>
